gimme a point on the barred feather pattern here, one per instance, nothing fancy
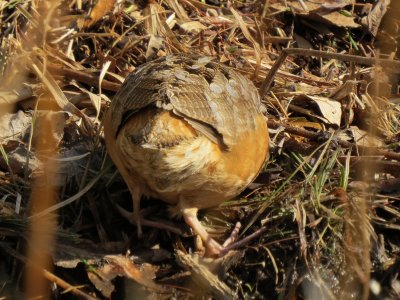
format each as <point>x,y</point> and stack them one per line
<point>207,94</point>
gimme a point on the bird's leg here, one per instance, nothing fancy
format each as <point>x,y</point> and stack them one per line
<point>133,217</point>
<point>137,219</point>
<point>190,217</point>
<point>130,216</point>
<point>136,196</point>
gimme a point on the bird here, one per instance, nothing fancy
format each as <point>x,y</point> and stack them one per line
<point>189,131</point>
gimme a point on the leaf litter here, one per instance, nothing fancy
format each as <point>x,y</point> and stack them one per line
<point>325,209</point>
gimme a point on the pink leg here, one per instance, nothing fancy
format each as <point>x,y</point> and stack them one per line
<point>136,219</point>
<point>190,216</point>
<point>144,222</point>
<point>234,235</point>
<point>136,196</point>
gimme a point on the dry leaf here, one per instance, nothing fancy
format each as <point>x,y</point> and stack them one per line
<point>178,9</point>
<point>330,110</point>
<point>20,161</point>
<point>155,44</point>
<point>193,27</point>
<point>306,6</point>
<point>363,138</point>
<point>335,4</point>
<point>123,266</point>
<point>14,126</point>
<point>360,137</point>
<point>337,19</point>
<point>321,11</point>
<point>97,12</point>
<point>374,18</point>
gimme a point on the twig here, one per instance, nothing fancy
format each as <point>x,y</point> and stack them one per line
<point>48,275</point>
<point>384,166</point>
<point>88,78</point>
<point>394,65</point>
<point>316,135</point>
<point>271,74</point>
<point>244,241</point>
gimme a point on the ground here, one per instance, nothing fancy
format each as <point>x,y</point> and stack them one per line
<point>325,208</point>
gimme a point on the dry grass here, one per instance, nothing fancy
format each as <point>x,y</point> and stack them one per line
<point>326,205</point>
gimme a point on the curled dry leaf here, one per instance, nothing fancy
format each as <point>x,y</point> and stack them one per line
<point>374,18</point>
<point>330,111</point>
<point>118,265</point>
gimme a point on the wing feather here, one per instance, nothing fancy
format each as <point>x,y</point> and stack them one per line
<point>216,100</point>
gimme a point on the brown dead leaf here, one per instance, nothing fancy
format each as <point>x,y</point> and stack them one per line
<point>17,132</point>
<point>192,27</point>
<point>102,268</point>
<point>335,4</point>
<point>102,279</point>
<point>124,266</point>
<point>329,111</point>
<point>374,18</point>
<point>321,11</point>
<point>20,161</point>
<point>311,5</point>
<point>97,12</point>
<point>14,126</point>
<point>338,19</point>
<point>178,9</point>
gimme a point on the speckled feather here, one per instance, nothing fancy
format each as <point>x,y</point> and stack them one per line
<point>188,131</point>
<point>208,95</point>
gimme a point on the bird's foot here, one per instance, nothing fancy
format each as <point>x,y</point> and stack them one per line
<point>242,242</point>
<point>234,235</point>
<point>214,249</point>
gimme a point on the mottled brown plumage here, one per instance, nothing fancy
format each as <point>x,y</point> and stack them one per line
<point>188,131</point>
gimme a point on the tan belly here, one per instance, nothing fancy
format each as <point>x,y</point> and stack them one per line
<point>193,168</point>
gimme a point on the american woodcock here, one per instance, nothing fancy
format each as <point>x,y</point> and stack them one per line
<point>189,131</point>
